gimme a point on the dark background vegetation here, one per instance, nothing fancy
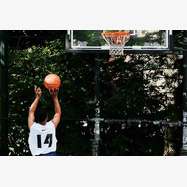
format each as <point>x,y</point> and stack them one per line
<point>126,91</point>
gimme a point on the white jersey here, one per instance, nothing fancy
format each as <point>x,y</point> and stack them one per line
<point>42,138</point>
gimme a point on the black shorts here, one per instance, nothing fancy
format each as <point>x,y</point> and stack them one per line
<point>49,154</point>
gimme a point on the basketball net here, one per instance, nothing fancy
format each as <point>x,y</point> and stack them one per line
<point>116,40</point>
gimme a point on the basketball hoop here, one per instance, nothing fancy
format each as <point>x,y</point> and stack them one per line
<point>116,40</point>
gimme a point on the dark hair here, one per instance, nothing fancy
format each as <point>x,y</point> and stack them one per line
<point>41,114</point>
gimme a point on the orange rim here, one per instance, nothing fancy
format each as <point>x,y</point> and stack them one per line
<point>117,33</point>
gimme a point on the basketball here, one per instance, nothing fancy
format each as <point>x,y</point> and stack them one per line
<point>52,81</point>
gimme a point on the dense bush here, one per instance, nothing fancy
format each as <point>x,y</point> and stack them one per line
<point>27,68</point>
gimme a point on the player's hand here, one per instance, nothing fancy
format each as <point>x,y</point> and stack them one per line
<point>38,91</point>
<point>53,92</point>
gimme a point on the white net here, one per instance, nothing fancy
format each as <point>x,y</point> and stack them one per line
<point>116,41</point>
<point>116,51</point>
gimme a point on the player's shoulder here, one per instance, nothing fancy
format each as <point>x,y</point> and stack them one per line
<point>50,124</point>
<point>35,126</point>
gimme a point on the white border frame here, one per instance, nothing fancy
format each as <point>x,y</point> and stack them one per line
<point>107,47</point>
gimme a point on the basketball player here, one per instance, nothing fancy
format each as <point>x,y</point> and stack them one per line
<point>42,136</point>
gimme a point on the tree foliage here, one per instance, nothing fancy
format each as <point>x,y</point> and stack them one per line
<point>145,87</point>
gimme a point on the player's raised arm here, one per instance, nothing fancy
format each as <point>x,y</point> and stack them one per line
<point>57,108</point>
<point>33,106</point>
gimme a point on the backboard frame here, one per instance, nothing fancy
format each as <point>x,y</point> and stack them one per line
<point>168,48</point>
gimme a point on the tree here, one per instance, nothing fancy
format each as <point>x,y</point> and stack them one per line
<point>127,90</point>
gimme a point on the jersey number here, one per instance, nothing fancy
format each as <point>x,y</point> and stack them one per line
<point>48,140</point>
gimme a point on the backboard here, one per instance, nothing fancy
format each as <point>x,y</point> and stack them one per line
<point>140,40</point>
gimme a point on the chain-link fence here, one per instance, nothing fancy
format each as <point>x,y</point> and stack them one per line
<point>95,93</point>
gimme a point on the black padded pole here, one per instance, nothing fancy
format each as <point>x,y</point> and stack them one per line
<point>3,94</point>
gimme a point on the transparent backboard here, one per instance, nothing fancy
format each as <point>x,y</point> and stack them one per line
<point>139,40</point>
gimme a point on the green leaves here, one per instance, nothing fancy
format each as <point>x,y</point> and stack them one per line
<point>28,67</point>
<point>148,86</point>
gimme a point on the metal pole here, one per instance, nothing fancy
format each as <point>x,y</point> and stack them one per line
<point>96,140</point>
<point>184,143</point>
<point>3,95</point>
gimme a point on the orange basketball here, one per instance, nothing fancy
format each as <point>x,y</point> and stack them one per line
<point>52,81</point>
